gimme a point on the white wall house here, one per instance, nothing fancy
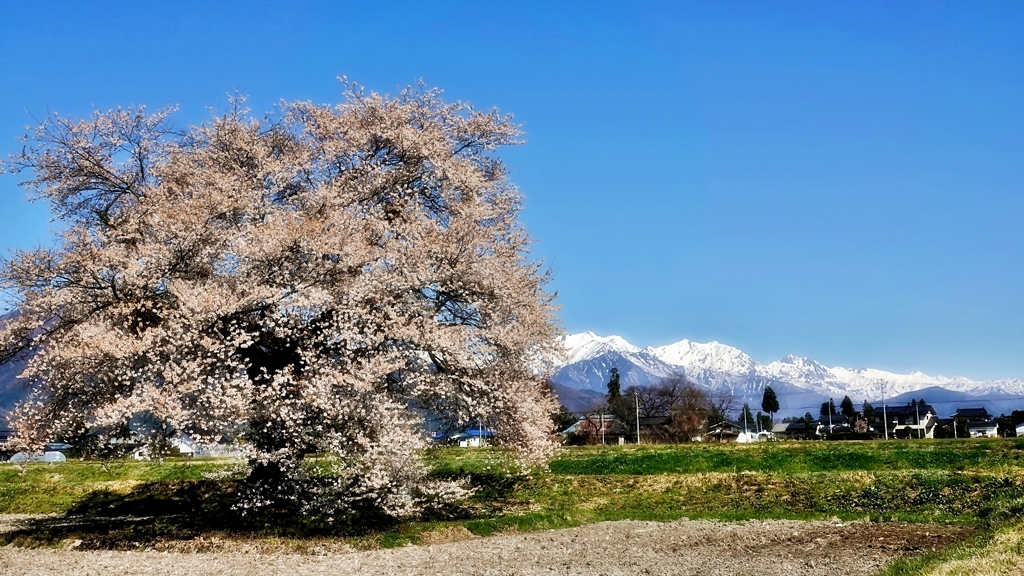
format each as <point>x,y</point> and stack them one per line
<point>988,429</point>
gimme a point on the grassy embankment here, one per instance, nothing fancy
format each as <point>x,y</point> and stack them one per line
<point>60,488</point>
<point>977,483</point>
<point>933,481</point>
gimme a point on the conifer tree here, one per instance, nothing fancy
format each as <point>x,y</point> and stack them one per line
<point>846,407</point>
<point>770,402</point>
<point>613,385</point>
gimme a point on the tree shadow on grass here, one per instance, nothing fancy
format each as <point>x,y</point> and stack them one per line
<point>161,512</point>
<point>165,515</point>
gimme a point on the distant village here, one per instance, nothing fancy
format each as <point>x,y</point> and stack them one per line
<point>916,420</point>
<point>622,420</point>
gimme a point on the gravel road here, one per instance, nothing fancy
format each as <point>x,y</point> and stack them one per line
<point>707,548</point>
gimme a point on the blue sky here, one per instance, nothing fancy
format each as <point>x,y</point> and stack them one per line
<point>843,181</point>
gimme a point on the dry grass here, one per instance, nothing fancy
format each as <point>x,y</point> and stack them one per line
<point>445,535</point>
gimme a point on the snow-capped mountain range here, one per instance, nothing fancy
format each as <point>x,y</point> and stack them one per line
<point>801,383</point>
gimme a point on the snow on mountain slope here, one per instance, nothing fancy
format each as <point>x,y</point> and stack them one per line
<point>868,382</point>
<point>710,356</point>
<point>589,345</point>
<point>800,371</point>
<point>722,370</point>
<point>719,367</point>
<point>590,357</point>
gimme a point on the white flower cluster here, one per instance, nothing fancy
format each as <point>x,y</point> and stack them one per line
<point>311,284</point>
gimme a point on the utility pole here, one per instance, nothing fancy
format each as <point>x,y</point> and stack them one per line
<point>602,427</point>
<point>917,412</point>
<point>885,417</point>
<point>636,396</point>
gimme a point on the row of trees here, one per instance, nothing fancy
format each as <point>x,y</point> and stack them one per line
<point>671,410</point>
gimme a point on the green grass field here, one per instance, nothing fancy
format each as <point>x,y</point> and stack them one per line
<point>972,483</point>
<point>793,457</point>
<point>933,481</point>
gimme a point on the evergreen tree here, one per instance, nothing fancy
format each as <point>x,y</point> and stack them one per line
<point>770,402</point>
<point>613,385</point>
<point>868,411</point>
<point>846,407</point>
<point>828,408</point>
<point>746,416</point>
<point>562,418</point>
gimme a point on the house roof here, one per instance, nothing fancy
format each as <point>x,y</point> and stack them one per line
<point>907,410</point>
<point>789,427</point>
<point>473,433</point>
<point>727,425</point>
<point>984,424</point>
<point>972,413</point>
<point>836,419</point>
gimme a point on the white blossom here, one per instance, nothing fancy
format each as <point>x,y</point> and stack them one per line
<point>307,284</point>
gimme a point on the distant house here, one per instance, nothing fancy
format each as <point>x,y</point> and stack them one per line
<point>972,414</point>
<point>729,431</point>
<point>980,424</point>
<point>793,430</point>
<point>1020,430</point>
<point>598,428</point>
<point>655,429</point>
<point>986,429</point>
<point>914,420</point>
<point>473,437</point>
<point>836,424</point>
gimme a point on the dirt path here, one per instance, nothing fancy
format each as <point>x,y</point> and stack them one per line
<point>684,547</point>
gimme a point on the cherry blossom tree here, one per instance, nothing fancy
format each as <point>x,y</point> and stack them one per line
<point>313,282</point>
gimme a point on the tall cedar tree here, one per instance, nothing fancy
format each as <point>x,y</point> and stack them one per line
<point>769,401</point>
<point>311,283</point>
<point>868,411</point>
<point>846,407</point>
<point>613,385</point>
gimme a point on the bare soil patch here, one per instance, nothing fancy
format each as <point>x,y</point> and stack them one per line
<point>708,548</point>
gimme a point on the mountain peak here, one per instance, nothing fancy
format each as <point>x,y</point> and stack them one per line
<point>697,356</point>
<point>587,345</point>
